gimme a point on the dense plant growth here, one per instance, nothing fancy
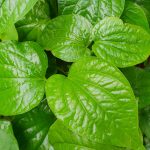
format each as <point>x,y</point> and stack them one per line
<point>74,75</point>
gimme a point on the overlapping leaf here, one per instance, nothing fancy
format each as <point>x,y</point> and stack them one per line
<point>96,101</point>
<point>93,10</point>
<point>122,44</point>
<point>68,37</point>
<point>13,10</point>
<point>134,14</point>
<point>31,128</point>
<point>22,76</point>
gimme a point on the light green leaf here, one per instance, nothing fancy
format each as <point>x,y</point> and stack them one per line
<point>68,37</point>
<point>22,76</point>
<point>31,128</point>
<point>10,34</point>
<point>96,101</point>
<point>13,10</point>
<point>64,139</point>
<point>134,14</point>
<point>93,10</point>
<point>122,44</point>
<point>140,82</point>
<point>7,139</point>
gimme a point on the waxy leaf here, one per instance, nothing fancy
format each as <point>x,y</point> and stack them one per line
<point>93,10</point>
<point>22,76</point>
<point>96,101</point>
<point>7,139</point>
<point>134,14</point>
<point>13,10</point>
<point>122,44</point>
<point>31,129</point>
<point>64,139</point>
<point>68,37</point>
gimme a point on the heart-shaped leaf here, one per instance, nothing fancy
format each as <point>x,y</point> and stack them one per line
<point>68,37</point>
<point>96,101</point>
<point>22,76</point>
<point>122,44</point>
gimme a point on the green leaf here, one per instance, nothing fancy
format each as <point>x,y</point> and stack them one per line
<point>145,121</point>
<point>31,129</point>
<point>68,37</point>
<point>13,10</point>
<point>22,76</point>
<point>140,82</point>
<point>134,14</point>
<point>33,23</point>
<point>7,139</point>
<point>122,44</point>
<point>64,139</point>
<point>96,101</point>
<point>146,7</point>
<point>93,10</point>
<point>10,34</point>
<point>31,32</point>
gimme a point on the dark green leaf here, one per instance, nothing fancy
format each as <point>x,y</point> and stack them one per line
<point>140,82</point>
<point>31,128</point>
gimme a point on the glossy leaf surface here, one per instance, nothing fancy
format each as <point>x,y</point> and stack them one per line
<point>134,14</point>
<point>122,44</point>
<point>96,101</point>
<point>7,139</point>
<point>93,10</point>
<point>22,76</point>
<point>31,128</point>
<point>13,10</point>
<point>68,37</point>
<point>63,138</point>
<point>33,23</point>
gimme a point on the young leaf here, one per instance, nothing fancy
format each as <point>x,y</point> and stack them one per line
<point>96,101</point>
<point>68,37</point>
<point>13,10</point>
<point>31,128</point>
<point>134,14</point>
<point>122,44</point>
<point>64,139</point>
<point>22,76</point>
<point>93,10</point>
<point>7,139</point>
